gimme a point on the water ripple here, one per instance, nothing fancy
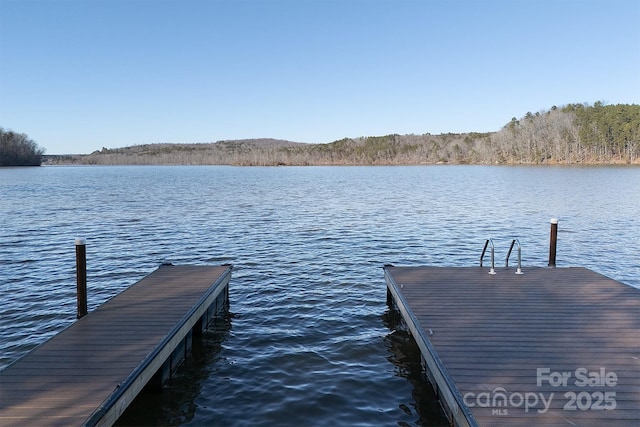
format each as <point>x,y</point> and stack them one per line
<point>308,339</point>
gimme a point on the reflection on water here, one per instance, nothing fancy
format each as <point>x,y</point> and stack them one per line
<point>175,403</point>
<point>405,355</point>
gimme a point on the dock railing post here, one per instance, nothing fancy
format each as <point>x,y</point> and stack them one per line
<point>553,241</point>
<point>81,276</point>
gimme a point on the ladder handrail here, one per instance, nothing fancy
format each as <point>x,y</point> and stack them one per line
<point>483,251</point>
<point>492,270</point>
<point>506,261</point>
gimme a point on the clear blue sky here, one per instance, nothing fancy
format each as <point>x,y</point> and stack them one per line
<point>79,75</point>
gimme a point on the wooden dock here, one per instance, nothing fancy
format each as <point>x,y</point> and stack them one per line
<point>90,372</point>
<point>554,346</point>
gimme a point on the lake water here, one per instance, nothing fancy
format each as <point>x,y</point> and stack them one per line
<point>308,339</point>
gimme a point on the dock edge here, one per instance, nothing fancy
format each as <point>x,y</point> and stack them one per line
<point>448,394</point>
<point>115,405</point>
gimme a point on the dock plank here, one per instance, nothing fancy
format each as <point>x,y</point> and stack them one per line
<point>90,372</point>
<point>484,335</point>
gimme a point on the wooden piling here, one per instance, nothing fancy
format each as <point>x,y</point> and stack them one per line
<point>81,276</point>
<point>553,240</point>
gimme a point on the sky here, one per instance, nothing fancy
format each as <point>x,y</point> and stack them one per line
<point>80,75</point>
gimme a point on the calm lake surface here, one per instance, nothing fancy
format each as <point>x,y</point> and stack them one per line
<point>308,339</point>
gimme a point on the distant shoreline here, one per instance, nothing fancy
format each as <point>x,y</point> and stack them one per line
<point>55,160</point>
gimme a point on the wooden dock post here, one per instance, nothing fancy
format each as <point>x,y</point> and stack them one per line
<point>81,276</point>
<point>553,241</point>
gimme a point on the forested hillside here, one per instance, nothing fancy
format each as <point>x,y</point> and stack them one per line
<point>575,133</point>
<point>16,149</point>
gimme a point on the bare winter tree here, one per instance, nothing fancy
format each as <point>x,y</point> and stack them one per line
<point>16,149</point>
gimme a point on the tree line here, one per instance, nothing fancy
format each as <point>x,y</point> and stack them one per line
<point>574,133</point>
<point>16,149</point>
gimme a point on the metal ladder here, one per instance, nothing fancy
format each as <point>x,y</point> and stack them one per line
<point>492,270</point>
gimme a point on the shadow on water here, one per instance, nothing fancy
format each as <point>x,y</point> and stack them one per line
<point>175,404</point>
<point>404,354</point>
